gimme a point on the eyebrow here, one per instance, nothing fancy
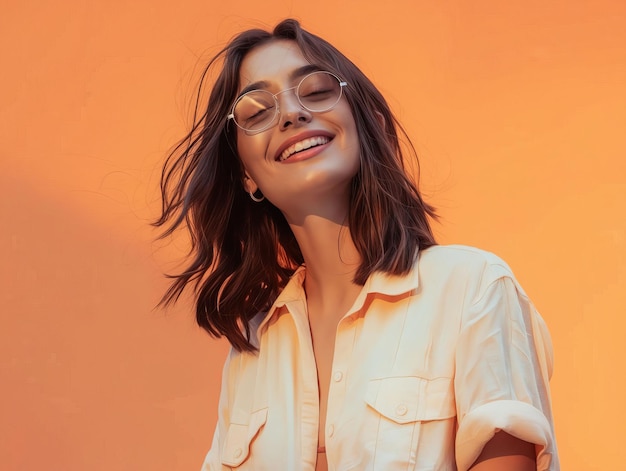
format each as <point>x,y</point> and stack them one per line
<point>293,75</point>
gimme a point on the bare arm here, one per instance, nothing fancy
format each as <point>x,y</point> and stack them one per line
<point>505,452</point>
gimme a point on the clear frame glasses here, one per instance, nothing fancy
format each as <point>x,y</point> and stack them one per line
<point>258,110</point>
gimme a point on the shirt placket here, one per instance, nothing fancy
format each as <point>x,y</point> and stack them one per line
<point>308,388</point>
<point>344,344</point>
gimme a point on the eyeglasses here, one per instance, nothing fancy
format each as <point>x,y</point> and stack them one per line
<point>257,110</point>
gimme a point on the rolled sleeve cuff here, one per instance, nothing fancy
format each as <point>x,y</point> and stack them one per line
<point>516,418</point>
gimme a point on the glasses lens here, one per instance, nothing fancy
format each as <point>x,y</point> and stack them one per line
<point>255,110</point>
<point>319,91</point>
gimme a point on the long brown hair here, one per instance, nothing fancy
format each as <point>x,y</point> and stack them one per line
<point>242,252</point>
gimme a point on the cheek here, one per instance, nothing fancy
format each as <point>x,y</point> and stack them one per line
<point>349,124</point>
<point>243,148</point>
<point>352,139</point>
<point>249,150</point>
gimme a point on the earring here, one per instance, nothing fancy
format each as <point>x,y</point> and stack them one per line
<point>256,199</point>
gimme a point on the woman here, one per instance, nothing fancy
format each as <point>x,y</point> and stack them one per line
<point>357,342</point>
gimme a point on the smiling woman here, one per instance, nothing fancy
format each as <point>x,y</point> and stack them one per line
<point>357,342</point>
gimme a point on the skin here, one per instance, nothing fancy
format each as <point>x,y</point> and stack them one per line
<point>312,191</point>
<point>505,452</point>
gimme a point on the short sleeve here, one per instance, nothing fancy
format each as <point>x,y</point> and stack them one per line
<point>503,366</point>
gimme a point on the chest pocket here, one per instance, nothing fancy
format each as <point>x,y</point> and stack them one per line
<point>401,406</point>
<point>405,399</point>
<point>242,431</point>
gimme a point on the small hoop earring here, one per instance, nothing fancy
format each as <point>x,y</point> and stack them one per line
<point>254,198</point>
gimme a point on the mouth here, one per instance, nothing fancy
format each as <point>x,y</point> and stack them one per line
<point>302,145</point>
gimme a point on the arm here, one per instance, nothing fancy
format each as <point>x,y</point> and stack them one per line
<point>505,452</point>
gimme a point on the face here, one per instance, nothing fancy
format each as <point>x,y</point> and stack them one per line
<point>305,160</point>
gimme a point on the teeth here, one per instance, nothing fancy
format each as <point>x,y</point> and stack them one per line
<point>302,145</point>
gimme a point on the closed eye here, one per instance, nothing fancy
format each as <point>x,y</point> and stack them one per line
<point>318,93</point>
<point>259,114</point>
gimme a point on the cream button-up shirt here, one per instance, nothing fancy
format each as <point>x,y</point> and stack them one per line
<point>427,368</point>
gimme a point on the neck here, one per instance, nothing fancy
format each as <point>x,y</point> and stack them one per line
<point>331,260</point>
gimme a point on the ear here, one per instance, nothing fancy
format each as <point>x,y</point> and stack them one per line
<point>249,184</point>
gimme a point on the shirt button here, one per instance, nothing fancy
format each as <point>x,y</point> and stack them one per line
<point>238,453</point>
<point>338,376</point>
<point>331,430</point>
<point>401,410</point>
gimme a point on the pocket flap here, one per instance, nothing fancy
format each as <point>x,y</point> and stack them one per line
<point>405,399</point>
<point>239,437</point>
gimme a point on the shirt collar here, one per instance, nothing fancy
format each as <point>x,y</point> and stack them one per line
<point>392,285</point>
<point>378,282</point>
<point>293,291</point>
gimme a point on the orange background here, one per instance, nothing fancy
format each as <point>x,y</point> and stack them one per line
<point>518,110</point>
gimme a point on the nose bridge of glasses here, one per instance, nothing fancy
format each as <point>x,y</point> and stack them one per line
<point>295,96</point>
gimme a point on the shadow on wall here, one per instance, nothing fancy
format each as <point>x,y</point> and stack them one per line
<point>93,377</point>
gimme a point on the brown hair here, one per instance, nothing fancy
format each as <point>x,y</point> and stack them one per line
<point>243,252</point>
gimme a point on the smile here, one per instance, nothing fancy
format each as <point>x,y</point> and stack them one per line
<point>303,145</point>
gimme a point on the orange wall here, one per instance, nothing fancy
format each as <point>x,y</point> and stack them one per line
<point>518,110</point>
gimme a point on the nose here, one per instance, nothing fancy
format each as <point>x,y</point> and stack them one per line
<point>292,113</point>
